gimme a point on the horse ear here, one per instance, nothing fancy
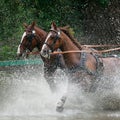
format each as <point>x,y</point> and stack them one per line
<point>53,26</point>
<point>25,25</point>
<point>33,24</point>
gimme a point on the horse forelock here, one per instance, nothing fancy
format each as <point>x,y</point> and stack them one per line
<point>66,31</point>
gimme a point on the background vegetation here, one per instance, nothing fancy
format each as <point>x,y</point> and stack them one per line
<point>94,21</point>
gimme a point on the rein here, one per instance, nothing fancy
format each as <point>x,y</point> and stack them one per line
<point>78,51</point>
<point>87,51</point>
<point>96,46</point>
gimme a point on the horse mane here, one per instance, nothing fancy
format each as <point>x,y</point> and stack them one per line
<point>68,32</point>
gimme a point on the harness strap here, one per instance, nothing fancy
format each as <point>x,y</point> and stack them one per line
<point>48,45</point>
<point>99,63</point>
<point>83,67</point>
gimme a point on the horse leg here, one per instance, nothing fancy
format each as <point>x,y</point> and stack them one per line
<point>50,79</point>
<point>60,104</point>
<point>51,83</point>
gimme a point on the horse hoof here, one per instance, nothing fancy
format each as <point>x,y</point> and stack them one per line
<point>59,109</point>
<point>60,104</point>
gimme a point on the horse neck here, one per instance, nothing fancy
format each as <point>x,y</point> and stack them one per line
<point>71,59</point>
<point>41,34</point>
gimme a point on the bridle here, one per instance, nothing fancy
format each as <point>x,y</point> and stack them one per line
<point>29,38</point>
<point>57,37</point>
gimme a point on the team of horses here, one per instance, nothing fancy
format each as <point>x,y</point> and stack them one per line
<point>58,48</point>
<point>34,37</point>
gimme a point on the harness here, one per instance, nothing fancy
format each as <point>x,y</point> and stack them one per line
<point>82,66</point>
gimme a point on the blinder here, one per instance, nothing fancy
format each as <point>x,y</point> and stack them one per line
<point>30,37</point>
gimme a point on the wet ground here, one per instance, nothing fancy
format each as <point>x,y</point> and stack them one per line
<point>25,95</point>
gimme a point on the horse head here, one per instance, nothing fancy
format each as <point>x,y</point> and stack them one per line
<point>52,42</point>
<point>29,40</point>
<point>58,37</point>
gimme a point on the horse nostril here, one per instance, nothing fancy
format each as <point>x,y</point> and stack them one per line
<point>44,51</point>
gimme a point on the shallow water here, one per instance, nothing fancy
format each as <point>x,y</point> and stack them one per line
<point>25,95</point>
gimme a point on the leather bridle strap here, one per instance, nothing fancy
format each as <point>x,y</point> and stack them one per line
<point>55,39</point>
<point>50,46</point>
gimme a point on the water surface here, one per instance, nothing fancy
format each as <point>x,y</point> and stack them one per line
<point>25,95</point>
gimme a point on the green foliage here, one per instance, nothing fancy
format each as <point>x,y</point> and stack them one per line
<point>104,2</point>
<point>14,13</point>
<point>7,53</point>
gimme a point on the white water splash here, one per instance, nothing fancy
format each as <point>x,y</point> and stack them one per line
<point>26,92</point>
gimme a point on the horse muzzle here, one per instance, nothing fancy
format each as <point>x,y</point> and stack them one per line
<point>45,53</point>
<point>18,56</point>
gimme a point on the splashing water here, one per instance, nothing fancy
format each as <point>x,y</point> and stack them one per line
<point>26,92</point>
<point>108,91</point>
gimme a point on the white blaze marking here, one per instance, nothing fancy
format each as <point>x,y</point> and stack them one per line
<point>24,34</point>
<point>18,50</point>
<point>44,45</point>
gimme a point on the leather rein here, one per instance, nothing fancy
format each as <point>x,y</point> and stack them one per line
<point>87,51</point>
<point>80,51</point>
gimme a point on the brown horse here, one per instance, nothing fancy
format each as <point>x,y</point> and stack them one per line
<point>83,66</point>
<point>34,37</point>
<point>31,38</point>
<point>78,64</point>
